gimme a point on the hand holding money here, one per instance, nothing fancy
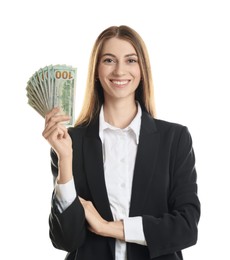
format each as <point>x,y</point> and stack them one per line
<point>57,134</point>
<point>58,137</point>
<point>53,86</point>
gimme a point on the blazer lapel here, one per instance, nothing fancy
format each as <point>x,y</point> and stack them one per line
<point>146,160</point>
<point>93,158</point>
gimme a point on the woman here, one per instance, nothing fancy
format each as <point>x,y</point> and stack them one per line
<point>125,182</point>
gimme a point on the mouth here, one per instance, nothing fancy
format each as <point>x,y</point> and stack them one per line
<point>119,83</point>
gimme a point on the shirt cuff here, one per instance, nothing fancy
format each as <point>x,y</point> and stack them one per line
<point>65,194</point>
<point>133,229</point>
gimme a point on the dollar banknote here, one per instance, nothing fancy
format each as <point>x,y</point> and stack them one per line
<point>53,86</point>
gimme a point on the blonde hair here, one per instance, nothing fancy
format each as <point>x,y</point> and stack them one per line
<point>94,96</point>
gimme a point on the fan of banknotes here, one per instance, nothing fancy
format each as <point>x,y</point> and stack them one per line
<point>53,86</point>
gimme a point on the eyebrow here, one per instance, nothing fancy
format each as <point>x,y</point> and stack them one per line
<point>127,55</point>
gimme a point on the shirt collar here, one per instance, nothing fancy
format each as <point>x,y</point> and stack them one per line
<point>135,125</point>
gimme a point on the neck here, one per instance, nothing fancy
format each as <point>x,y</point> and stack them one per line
<point>120,114</point>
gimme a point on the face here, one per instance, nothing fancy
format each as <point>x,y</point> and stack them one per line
<point>119,70</point>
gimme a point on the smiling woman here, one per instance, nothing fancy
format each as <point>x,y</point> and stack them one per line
<point>135,46</point>
<point>125,181</point>
<point>119,71</point>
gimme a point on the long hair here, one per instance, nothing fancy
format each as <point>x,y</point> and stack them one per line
<point>94,96</point>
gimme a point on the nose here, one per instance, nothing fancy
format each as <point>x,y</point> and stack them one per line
<point>119,69</point>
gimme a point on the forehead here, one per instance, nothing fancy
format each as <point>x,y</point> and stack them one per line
<point>118,46</point>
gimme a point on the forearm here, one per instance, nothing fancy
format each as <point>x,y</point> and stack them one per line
<point>113,229</point>
<point>129,230</point>
<point>99,225</point>
<point>65,172</point>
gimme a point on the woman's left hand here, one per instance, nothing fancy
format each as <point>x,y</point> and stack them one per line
<point>96,222</point>
<point>100,226</point>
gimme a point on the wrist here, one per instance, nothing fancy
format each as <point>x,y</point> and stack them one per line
<point>65,170</point>
<point>67,156</point>
<point>114,229</point>
<point>65,159</point>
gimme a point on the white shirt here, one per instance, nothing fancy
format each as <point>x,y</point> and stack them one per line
<point>119,154</point>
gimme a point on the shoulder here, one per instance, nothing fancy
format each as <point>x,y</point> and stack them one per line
<point>167,130</point>
<point>176,132</point>
<point>163,125</point>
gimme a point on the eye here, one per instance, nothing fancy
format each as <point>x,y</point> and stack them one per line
<point>108,60</point>
<point>132,60</point>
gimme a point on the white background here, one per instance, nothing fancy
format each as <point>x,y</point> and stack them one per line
<point>189,47</point>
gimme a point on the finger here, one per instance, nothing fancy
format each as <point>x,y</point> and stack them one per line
<point>51,113</point>
<point>56,120</point>
<point>55,134</point>
<point>60,130</point>
<point>83,202</point>
<point>54,113</point>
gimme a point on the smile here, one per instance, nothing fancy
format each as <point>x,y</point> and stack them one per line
<point>120,82</point>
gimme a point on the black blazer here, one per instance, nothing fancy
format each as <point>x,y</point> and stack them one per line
<point>164,193</point>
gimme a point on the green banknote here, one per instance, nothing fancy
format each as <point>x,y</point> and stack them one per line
<point>53,86</point>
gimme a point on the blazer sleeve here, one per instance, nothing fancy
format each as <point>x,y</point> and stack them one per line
<point>176,229</point>
<point>67,229</point>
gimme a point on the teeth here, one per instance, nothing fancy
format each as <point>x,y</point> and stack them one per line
<point>120,82</point>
